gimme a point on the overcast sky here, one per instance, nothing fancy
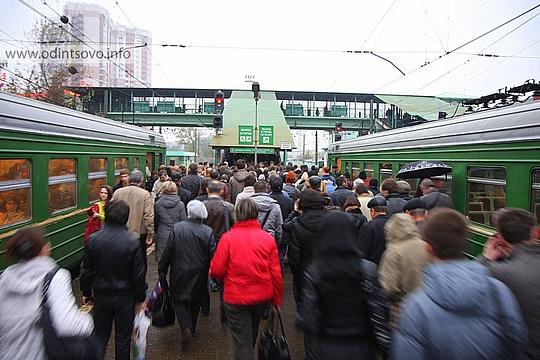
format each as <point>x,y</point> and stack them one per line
<point>407,32</point>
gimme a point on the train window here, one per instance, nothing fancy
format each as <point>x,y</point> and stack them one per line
<point>535,203</point>
<point>97,177</point>
<point>385,170</point>
<point>62,184</point>
<point>150,161</point>
<point>486,188</point>
<point>369,169</point>
<point>15,190</point>
<point>119,164</point>
<point>135,163</point>
<point>355,170</point>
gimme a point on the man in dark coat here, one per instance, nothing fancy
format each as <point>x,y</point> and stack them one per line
<point>287,206</point>
<point>192,181</point>
<point>519,270</point>
<point>433,197</point>
<point>113,279</point>
<point>341,193</point>
<point>184,194</point>
<point>124,180</point>
<point>188,253</point>
<point>372,238</point>
<point>394,201</point>
<point>237,181</point>
<point>303,230</point>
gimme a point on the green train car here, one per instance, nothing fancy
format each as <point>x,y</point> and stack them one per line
<point>54,160</point>
<point>494,154</point>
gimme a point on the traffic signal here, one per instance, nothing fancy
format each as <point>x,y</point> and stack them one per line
<point>218,122</point>
<point>219,102</point>
<point>339,127</point>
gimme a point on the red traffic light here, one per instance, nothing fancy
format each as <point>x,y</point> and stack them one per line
<point>219,100</point>
<point>339,127</point>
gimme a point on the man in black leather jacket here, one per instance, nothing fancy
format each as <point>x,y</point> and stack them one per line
<point>113,279</point>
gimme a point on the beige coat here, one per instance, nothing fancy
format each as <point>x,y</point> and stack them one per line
<point>403,262</point>
<point>141,209</point>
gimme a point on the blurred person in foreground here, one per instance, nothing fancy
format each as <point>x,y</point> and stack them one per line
<point>303,227</point>
<point>247,262</point>
<point>460,311</point>
<point>113,279</point>
<point>334,312</point>
<point>403,261</point>
<point>188,252</point>
<point>21,287</point>
<point>513,257</point>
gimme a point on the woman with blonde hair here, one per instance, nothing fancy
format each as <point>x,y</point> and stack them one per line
<point>168,210</point>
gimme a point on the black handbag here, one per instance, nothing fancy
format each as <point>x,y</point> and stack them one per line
<point>162,311</point>
<point>272,344</point>
<point>63,347</point>
<point>378,307</point>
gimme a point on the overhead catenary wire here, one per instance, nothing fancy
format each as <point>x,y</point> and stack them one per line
<point>458,47</point>
<point>481,51</point>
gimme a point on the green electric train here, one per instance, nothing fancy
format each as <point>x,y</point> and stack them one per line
<point>494,155</point>
<point>54,160</point>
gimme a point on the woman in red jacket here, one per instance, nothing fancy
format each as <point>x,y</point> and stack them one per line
<point>247,262</point>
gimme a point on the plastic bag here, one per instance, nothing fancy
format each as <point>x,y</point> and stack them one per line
<point>140,328</point>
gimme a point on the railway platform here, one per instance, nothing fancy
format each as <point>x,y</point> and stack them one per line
<point>212,340</point>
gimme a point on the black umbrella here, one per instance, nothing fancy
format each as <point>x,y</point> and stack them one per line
<point>423,169</point>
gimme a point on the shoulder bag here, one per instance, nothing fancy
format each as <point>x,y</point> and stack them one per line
<point>378,307</point>
<point>273,344</point>
<point>63,347</point>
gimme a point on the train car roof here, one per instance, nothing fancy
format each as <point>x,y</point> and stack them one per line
<point>31,116</point>
<point>507,124</point>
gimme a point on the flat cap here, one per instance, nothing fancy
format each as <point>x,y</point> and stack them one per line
<point>416,203</point>
<point>376,201</point>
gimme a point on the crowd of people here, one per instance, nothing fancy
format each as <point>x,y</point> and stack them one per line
<point>235,230</point>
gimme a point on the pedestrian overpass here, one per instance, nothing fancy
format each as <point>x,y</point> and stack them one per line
<point>365,113</point>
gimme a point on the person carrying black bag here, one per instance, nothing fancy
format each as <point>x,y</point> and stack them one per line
<point>21,287</point>
<point>113,279</point>
<point>188,252</point>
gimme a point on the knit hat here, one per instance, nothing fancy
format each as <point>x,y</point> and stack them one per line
<point>196,210</point>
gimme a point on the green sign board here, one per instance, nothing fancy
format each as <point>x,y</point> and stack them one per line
<point>245,135</point>
<point>266,135</point>
<point>241,150</point>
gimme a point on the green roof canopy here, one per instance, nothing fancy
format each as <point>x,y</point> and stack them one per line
<point>239,122</point>
<point>426,107</point>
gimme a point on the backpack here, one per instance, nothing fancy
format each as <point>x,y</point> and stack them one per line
<point>330,186</point>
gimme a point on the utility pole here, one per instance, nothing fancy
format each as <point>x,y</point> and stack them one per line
<point>255,87</point>
<point>304,148</point>
<point>317,148</point>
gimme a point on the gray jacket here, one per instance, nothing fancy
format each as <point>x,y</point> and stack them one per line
<point>20,298</point>
<point>269,214</point>
<point>169,209</point>
<point>520,272</point>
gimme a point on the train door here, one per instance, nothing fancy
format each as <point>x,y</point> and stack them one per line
<point>150,160</point>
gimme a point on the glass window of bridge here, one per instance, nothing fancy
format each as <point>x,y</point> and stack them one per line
<point>15,191</point>
<point>385,170</point>
<point>97,177</point>
<point>535,202</point>
<point>370,170</point>
<point>486,189</point>
<point>119,164</point>
<point>62,184</point>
